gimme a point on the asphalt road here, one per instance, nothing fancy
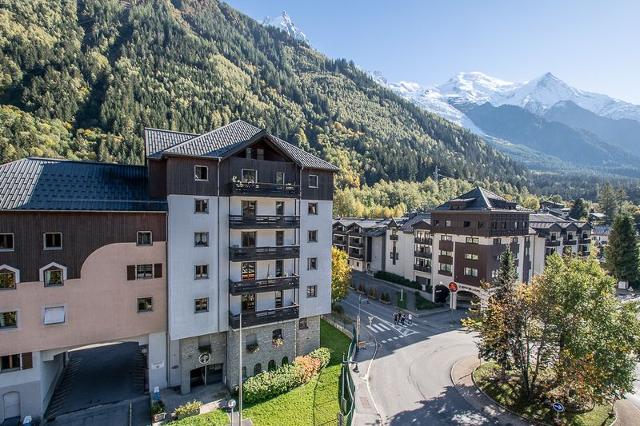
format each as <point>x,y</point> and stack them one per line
<point>409,377</point>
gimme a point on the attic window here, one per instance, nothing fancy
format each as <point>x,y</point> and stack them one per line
<point>201,172</point>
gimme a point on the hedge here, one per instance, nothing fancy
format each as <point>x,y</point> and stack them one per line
<point>388,276</point>
<point>270,384</point>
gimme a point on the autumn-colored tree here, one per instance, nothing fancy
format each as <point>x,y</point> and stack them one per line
<point>340,274</point>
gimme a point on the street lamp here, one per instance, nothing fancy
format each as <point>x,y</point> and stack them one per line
<point>231,403</point>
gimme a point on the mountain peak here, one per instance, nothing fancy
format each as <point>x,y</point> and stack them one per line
<point>285,23</point>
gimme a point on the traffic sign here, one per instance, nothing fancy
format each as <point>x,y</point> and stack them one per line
<point>453,287</point>
<point>558,407</point>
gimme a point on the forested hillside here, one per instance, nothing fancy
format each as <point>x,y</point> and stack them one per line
<point>82,78</point>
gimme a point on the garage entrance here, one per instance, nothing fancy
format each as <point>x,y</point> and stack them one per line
<point>99,375</point>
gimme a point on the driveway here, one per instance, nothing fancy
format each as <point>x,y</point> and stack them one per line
<point>409,378</point>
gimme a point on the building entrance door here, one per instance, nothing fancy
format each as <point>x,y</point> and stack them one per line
<point>11,404</point>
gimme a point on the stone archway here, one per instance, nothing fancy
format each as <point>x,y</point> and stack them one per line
<point>477,291</point>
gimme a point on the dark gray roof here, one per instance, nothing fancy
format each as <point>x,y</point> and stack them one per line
<point>219,142</point>
<point>542,221</point>
<point>478,199</point>
<point>407,226</point>
<point>50,184</point>
<point>158,140</point>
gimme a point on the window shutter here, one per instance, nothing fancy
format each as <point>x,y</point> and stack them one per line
<point>157,270</point>
<point>27,360</point>
<point>131,272</point>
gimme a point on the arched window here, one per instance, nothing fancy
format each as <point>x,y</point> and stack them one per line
<point>285,360</point>
<point>257,369</point>
<point>272,365</point>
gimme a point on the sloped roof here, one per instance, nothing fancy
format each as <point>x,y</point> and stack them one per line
<point>408,224</point>
<point>158,140</point>
<point>544,221</point>
<point>219,142</point>
<point>51,184</point>
<point>478,199</point>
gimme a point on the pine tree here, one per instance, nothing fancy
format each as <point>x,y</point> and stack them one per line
<point>507,275</point>
<point>609,200</point>
<point>579,209</point>
<point>621,253</point>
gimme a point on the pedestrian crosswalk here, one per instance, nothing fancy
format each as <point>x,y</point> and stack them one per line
<point>387,332</point>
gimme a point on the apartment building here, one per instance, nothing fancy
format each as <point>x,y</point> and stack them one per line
<point>219,231</point>
<point>82,261</point>
<point>461,241</point>
<point>249,231</point>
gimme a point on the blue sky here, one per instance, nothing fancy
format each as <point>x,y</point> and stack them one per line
<point>592,45</point>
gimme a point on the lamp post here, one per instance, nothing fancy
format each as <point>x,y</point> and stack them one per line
<point>231,403</point>
<point>240,374</point>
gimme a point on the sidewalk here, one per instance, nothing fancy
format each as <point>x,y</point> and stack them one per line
<point>365,410</point>
<point>461,378</point>
<point>627,414</point>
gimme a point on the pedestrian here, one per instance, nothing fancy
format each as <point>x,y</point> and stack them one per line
<point>395,318</point>
<point>410,318</point>
<point>402,319</point>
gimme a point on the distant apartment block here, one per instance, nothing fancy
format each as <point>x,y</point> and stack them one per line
<point>233,221</point>
<point>460,241</point>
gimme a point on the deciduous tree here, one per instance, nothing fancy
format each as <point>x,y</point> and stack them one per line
<point>340,274</point>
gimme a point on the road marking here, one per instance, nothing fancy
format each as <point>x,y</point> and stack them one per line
<point>375,330</point>
<point>382,326</point>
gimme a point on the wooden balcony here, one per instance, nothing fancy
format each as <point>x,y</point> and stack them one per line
<point>263,222</point>
<point>263,285</point>
<point>571,242</point>
<point>552,243</point>
<point>418,240</point>
<point>424,254</point>
<point>264,317</point>
<point>241,254</point>
<point>422,268</point>
<point>264,189</point>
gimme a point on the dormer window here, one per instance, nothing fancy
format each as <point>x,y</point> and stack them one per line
<point>201,173</point>
<point>8,278</point>
<point>53,277</point>
<point>260,153</point>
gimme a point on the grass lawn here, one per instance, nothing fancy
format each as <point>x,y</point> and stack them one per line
<point>214,418</point>
<point>505,394</point>
<point>422,303</point>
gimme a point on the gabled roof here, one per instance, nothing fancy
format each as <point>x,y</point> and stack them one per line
<point>546,221</point>
<point>51,184</point>
<point>478,199</point>
<point>413,219</point>
<point>221,142</point>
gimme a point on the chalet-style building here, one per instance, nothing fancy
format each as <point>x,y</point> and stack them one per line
<point>233,221</point>
<point>461,241</point>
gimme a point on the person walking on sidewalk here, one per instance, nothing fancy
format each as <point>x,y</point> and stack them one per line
<point>410,319</point>
<point>395,318</point>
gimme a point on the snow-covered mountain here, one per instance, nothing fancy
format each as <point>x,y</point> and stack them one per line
<point>284,22</point>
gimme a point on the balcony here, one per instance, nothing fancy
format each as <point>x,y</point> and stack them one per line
<point>240,254</point>
<point>356,255</point>
<point>421,268</point>
<point>424,254</point>
<point>419,240</point>
<point>263,222</point>
<point>552,243</point>
<point>267,284</point>
<point>264,317</point>
<point>393,237</point>
<point>356,244</point>
<point>571,242</point>
<point>585,240</point>
<point>264,189</point>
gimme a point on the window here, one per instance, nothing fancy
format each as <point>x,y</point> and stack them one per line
<point>279,178</point>
<point>313,181</point>
<point>201,305</point>
<point>302,324</point>
<point>271,366</point>
<point>52,240</point>
<point>471,256</point>
<point>6,242</point>
<point>446,237</point>
<point>201,239</point>
<point>312,291</point>
<point>201,205</point>
<point>471,272</point>
<point>201,172</point>
<point>8,319</point>
<point>313,236</point>
<point>466,224</point>
<point>446,253</point>
<point>260,153</point>
<point>249,175</point>
<point>494,274</point>
<point>257,369</point>
<point>248,152</point>
<point>144,238</point>
<point>54,315</point>
<point>514,240</point>
<point>248,271</point>
<point>249,208</point>
<point>144,271</point>
<point>312,263</point>
<point>248,239</point>
<point>9,363</point>
<point>497,241</point>
<point>145,304</point>
<point>276,335</point>
<point>312,208</point>
<point>278,299</point>
<point>280,208</point>
<point>285,361</point>
<point>279,238</point>
<point>279,268</point>
<point>473,240</point>
<point>446,267</point>
<point>202,272</point>
<point>7,279</point>
<point>53,277</point>
<point>447,224</point>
